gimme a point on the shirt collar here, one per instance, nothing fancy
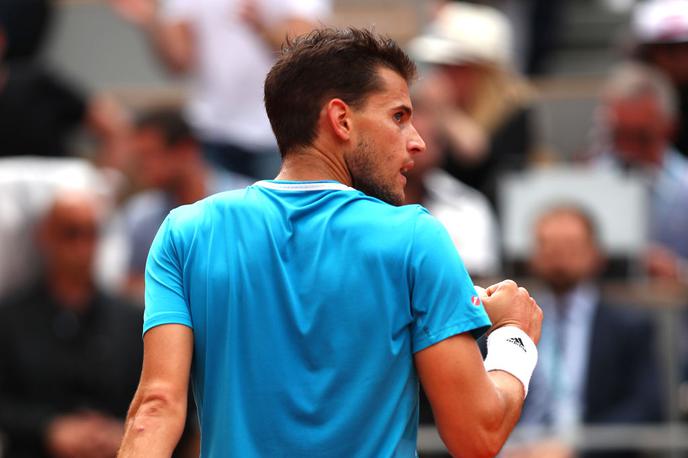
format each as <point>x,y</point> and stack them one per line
<point>283,185</point>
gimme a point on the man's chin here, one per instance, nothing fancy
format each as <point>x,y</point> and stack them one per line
<point>562,286</point>
<point>392,199</point>
<point>382,193</point>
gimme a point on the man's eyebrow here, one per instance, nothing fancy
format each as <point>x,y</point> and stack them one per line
<point>405,108</point>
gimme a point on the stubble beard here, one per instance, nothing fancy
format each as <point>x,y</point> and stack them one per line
<point>364,176</point>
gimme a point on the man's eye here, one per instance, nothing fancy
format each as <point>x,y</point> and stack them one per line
<point>399,116</point>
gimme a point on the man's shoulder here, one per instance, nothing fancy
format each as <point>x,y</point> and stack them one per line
<point>361,210</point>
<point>373,213</point>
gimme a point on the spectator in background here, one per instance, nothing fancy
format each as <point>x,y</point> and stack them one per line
<point>169,166</point>
<point>227,46</point>
<point>638,119</point>
<point>481,104</point>
<point>538,25</point>
<point>596,361</point>
<point>39,112</point>
<point>660,28</point>
<point>70,354</point>
<point>465,212</point>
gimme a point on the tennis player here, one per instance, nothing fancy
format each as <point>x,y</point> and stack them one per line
<point>305,309</point>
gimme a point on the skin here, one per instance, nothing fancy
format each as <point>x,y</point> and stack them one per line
<point>373,146</point>
<point>458,387</point>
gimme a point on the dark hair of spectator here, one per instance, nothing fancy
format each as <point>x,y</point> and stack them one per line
<point>169,122</point>
<point>321,65</point>
<point>24,24</point>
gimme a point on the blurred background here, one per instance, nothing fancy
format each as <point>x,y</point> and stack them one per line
<point>557,134</point>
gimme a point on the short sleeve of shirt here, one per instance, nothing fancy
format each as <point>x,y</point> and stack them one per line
<point>443,299</point>
<point>165,299</point>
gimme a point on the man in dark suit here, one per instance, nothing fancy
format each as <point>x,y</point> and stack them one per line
<point>597,361</point>
<point>70,354</point>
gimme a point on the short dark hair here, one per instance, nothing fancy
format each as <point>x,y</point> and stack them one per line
<point>324,64</point>
<point>169,122</point>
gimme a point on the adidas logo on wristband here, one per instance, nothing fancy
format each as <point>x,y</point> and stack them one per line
<point>518,342</point>
<point>511,350</point>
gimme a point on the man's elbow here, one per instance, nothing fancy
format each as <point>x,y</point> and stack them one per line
<point>478,440</point>
<point>156,404</point>
<point>475,447</point>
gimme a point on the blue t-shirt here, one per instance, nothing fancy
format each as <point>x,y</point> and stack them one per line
<point>307,301</point>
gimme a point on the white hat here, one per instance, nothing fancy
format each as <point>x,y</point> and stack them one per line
<point>464,32</point>
<point>661,21</point>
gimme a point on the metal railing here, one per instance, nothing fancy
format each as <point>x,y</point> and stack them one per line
<point>669,439</point>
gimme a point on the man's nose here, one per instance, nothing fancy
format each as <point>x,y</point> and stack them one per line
<point>416,143</point>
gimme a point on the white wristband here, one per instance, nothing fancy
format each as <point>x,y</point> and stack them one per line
<point>509,349</point>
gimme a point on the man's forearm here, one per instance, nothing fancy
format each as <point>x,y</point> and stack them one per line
<point>493,417</point>
<point>154,425</point>
<point>510,392</point>
<point>172,43</point>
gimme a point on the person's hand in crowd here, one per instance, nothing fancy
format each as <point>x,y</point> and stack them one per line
<point>172,39</point>
<point>548,448</point>
<point>468,141</point>
<point>272,33</point>
<point>662,263</point>
<point>110,124</point>
<point>84,435</point>
<point>250,13</point>
<point>507,304</point>
<point>139,12</point>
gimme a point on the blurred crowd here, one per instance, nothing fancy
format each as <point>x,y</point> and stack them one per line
<point>86,180</point>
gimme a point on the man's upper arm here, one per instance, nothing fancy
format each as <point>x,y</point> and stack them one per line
<point>452,374</point>
<point>168,334</point>
<point>167,355</point>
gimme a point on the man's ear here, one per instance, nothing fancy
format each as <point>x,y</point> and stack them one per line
<point>338,118</point>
